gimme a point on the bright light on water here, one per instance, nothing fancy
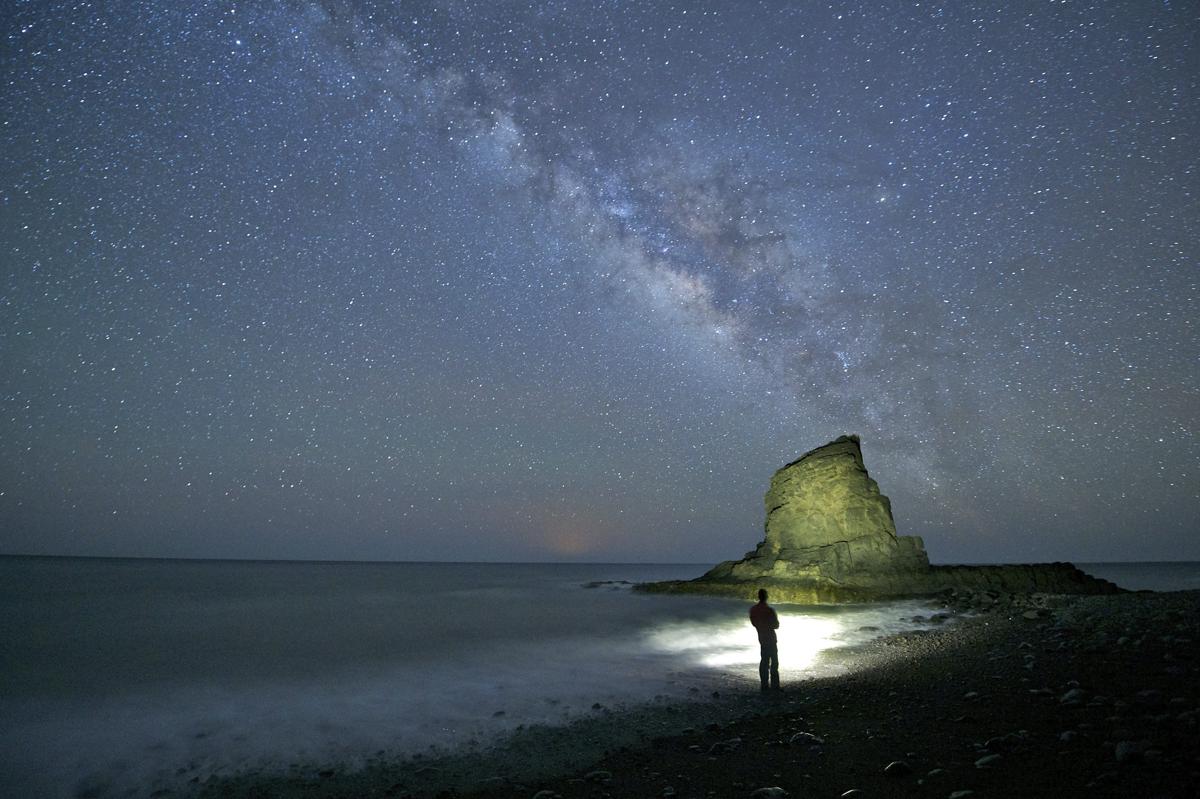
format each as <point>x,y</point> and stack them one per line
<point>729,644</point>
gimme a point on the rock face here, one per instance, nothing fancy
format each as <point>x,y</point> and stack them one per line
<point>828,528</point>
<point>824,497</point>
<point>830,537</point>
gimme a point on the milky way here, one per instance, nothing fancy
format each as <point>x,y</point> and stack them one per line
<point>498,281</point>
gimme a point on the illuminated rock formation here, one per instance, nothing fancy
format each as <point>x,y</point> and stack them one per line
<point>829,532</point>
<point>830,537</point>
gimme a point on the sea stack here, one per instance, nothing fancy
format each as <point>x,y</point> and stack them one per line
<point>829,530</point>
<point>830,537</point>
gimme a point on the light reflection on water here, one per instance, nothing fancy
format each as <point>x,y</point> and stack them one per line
<point>804,634</point>
<point>730,644</point>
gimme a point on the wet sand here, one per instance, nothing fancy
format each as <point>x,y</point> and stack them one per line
<point>1083,696</point>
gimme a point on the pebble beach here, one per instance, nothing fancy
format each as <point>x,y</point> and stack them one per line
<point>1015,696</point>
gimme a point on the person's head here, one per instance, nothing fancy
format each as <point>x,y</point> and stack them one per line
<point>762,595</point>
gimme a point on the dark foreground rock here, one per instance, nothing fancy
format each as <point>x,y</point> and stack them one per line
<point>830,538</point>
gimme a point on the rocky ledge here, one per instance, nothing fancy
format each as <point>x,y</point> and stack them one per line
<point>830,538</point>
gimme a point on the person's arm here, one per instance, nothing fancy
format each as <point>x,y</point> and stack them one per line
<point>775,618</point>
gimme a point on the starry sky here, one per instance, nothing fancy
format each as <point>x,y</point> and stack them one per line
<point>569,280</point>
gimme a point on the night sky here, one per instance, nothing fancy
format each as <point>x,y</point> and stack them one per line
<point>570,280</point>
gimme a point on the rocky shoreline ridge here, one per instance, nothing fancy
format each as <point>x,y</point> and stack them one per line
<point>830,538</point>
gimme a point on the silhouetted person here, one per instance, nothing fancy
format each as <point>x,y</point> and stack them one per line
<point>763,617</point>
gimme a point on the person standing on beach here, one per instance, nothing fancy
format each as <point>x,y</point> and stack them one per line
<point>763,617</point>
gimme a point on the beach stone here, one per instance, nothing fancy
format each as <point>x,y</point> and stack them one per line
<point>853,793</point>
<point>1074,696</point>
<point>721,747</point>
<point>1128,751</point>
<point>805,739</point>
<point>897,768</point>
<point>963,794</point>
<point>987,761</point>
<point>598,776</point>
<point>1002,743</point>
<point>1104,778</point>
<point>774,792</point>
<point>547,794</point>
<point>1068,736</point>
<point>1151,697</point>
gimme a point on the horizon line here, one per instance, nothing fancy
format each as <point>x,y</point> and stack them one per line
<point>705,564</point>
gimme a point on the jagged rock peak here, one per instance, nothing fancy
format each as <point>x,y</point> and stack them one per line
<point>826,496</point>
<point>849,443</point>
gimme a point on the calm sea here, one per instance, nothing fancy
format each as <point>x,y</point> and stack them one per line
<point>1174,576</point>
<point>131,675</point>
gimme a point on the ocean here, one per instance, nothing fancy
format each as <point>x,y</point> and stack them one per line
<point>120,677</point>
<point>1149,576</point>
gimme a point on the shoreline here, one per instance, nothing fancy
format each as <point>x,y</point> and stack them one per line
<point>1086,696</point>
